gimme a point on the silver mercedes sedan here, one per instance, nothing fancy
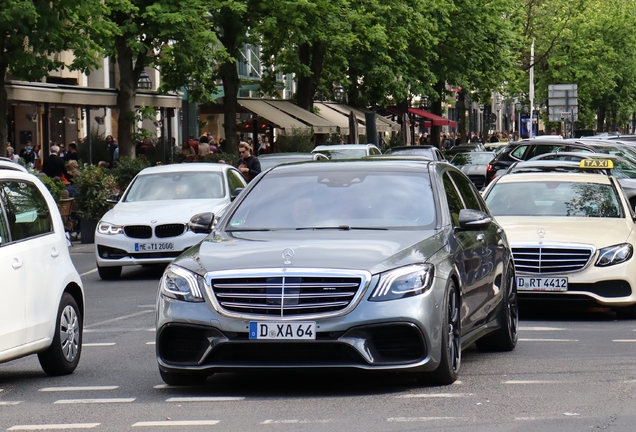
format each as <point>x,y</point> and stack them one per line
<point>375,264</point>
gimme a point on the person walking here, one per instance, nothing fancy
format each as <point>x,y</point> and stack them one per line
<point>248,164</point>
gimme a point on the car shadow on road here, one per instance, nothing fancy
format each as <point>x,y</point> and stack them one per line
<point>564,311</point>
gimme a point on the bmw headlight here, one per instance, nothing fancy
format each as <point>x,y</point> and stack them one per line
<point>404,282</point>
<point>614,255</point>
<point>109,228</point>
<point>181,284</point>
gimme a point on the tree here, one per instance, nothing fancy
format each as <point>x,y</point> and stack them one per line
<point>34,30</point>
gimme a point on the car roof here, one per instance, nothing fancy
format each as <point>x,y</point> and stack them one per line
<point>555,176</point>
<point>284,155</point>
<point>413,147</point>
<point>588,155</point>
<point>16,174</point>
<point>342,147</point>
<point>6,164</point>
<point>384,162</point>
<point>186,167</point>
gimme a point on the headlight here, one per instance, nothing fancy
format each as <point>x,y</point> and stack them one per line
<point>109,229</point>
<point>404,282</point>
<point>181,284</point>
<point>614,255</point>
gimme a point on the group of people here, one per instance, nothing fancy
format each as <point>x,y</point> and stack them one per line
<point>197,149</point>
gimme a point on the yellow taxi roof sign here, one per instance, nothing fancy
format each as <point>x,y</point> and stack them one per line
<point>597,163</point>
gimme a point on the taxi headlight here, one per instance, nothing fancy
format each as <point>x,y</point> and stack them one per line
<point>614,255</point>
<point>109,229</point>
<point>181,284</point>
<point>404,282</point>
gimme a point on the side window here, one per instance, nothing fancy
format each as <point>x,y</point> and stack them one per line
<point>26,208</point>
<point>467,191</point>
<point>4,229</point>
<point>580,149</point>
<point>454,200</point>
<point>518,152</point>
<point>374,151</point>
<point>543,149</point>
<point>235,181</point>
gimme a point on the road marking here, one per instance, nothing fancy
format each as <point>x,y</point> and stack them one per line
<point>10,403</point>
<point>633,381</point>
<point>266,422</point>
<point>85,388</point>
<point>523,382</point>
<point>624,340</point>
<point>89,272</point>
<point>151,329</point>
<point>542,329</point>
<point>434,395</point>
<point>526,418</point>
<point>421,419</point>
<point>205,399</point>
<point>152,306</point>
<point>548,340</point>
<point>114,330</point>
<point>120,318</point>
<point>98,344</point>
<point>94,401</point>
<point>151,343</point>
<point>54,426</point>
<point>176,423</point>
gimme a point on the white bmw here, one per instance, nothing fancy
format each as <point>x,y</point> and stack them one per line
<point>149,225</point>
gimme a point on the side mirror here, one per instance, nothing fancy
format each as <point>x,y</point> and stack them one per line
<point>113,199</point>
<point>473,220</point>
<point>201,223</point>
<point>236,193</point>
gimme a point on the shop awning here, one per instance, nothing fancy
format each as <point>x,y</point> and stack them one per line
<point>320,124</point>
<point>277,117</point>
<point>337,118</point>
<point>382,124</point>
<point>435,119</point>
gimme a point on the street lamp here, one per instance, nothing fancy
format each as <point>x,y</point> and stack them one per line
<point>338,93</point>
<point>144,82</point>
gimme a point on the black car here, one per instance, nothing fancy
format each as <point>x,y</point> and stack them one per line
<point>428,151</point>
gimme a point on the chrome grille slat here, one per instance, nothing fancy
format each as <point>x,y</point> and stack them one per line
<point>551,259</point>
<point>305,285</point>
<point>277,307</point>
<point>249,295</point>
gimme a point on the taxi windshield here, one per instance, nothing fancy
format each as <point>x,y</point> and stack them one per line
<point>337,199</point>
<point>553,198</point>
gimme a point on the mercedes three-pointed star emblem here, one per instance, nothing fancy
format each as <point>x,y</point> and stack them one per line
<point>288,254</point>
<point>541,232</point>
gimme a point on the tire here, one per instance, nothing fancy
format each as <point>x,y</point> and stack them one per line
<point>448,369</point>
<point>62,357</point>
<point>626,312</point>
<point>505,338</point>
<point>183,378</point>
<point>109,273</point>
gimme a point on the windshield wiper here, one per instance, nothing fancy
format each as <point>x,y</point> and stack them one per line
<point>248,229</point>
<point>342,227</point>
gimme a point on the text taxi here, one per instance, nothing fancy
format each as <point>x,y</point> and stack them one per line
<point>571,233</point>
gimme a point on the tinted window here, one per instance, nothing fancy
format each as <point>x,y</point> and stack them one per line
<point>176,185</point>
<point>374,151</point>
<point>518,152</point>
<point>235,180</point>
<point>344,153</point>
<point>540,149</point>
<point>454,200</point>
<point>330,198</point>
<point>467,191</point>
<point>27,211</point>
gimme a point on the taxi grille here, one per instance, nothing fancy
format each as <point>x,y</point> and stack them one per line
<point>138,231</point>
<point>169,230</point>
<point>546,259</point>
<point>285,296</point>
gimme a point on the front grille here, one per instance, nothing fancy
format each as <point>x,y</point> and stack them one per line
<point>547,259</point>
<point>138,231</point>
<point>169,230</point>
<point>285,295</point>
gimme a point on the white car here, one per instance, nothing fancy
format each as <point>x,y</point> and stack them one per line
<point>149,225</point>
<point>42,305</point>
<point>347,151</point>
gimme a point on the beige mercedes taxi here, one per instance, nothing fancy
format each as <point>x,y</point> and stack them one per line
<point>572,235</point>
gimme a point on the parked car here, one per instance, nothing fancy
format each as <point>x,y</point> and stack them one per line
<point>8,164</point>
<point>474,165</point>
<point>42,307</point>
<point>428,151</point>
<point>373,264</point>
<point>273,159</point>
<point>149,225</point>
<point>571,234</point>
<point>464,148</point>
<point>347,151</point>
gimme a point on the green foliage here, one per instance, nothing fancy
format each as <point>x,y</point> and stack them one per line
<point>55,187</point>
<point>94,186</point>
<point>127,169</point>
<point>299,140</point>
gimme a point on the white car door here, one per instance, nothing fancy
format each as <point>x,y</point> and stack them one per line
<point>12,289</point>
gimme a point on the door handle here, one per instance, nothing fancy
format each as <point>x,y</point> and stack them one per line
<point>481,237</point>
<point>16,263</point>
<point>55,253</point>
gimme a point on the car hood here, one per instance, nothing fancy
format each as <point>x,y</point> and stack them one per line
<point>600,232</point>
<point>174,211</point>
<point>374,251</point>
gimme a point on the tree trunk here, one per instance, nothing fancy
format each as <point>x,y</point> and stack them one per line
<point>229,75</point>
<point>312,56</point>
<point>4,107</point>
<point>461,116</point>
<point>125,99</point>
<point>436,108</point>
<point>601,119</point>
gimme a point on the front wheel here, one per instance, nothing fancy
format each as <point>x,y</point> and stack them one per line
<point>62,357</point>
<point>448,369</point>
<point>183,378</point>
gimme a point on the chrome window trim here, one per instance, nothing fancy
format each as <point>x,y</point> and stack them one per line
<point>561,245</point>
<point>365,280</point>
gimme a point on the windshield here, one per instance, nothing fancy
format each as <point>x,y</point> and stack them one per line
<point>554,199</point>
<point>176,186</point>
<point>344,153</point>
<point>461,159</point>
<point>337,199</point>
<point>414,152</point>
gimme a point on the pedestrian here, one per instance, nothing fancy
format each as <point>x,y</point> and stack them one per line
<point>71,154</point>
<point>111,146</point>
<point>11,154</point>
<point>248,164</point>
<point>53,165</point>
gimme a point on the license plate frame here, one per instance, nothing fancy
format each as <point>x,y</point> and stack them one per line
<point>278,330</point>
<point>542,283</point>
<point>154,247</point>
